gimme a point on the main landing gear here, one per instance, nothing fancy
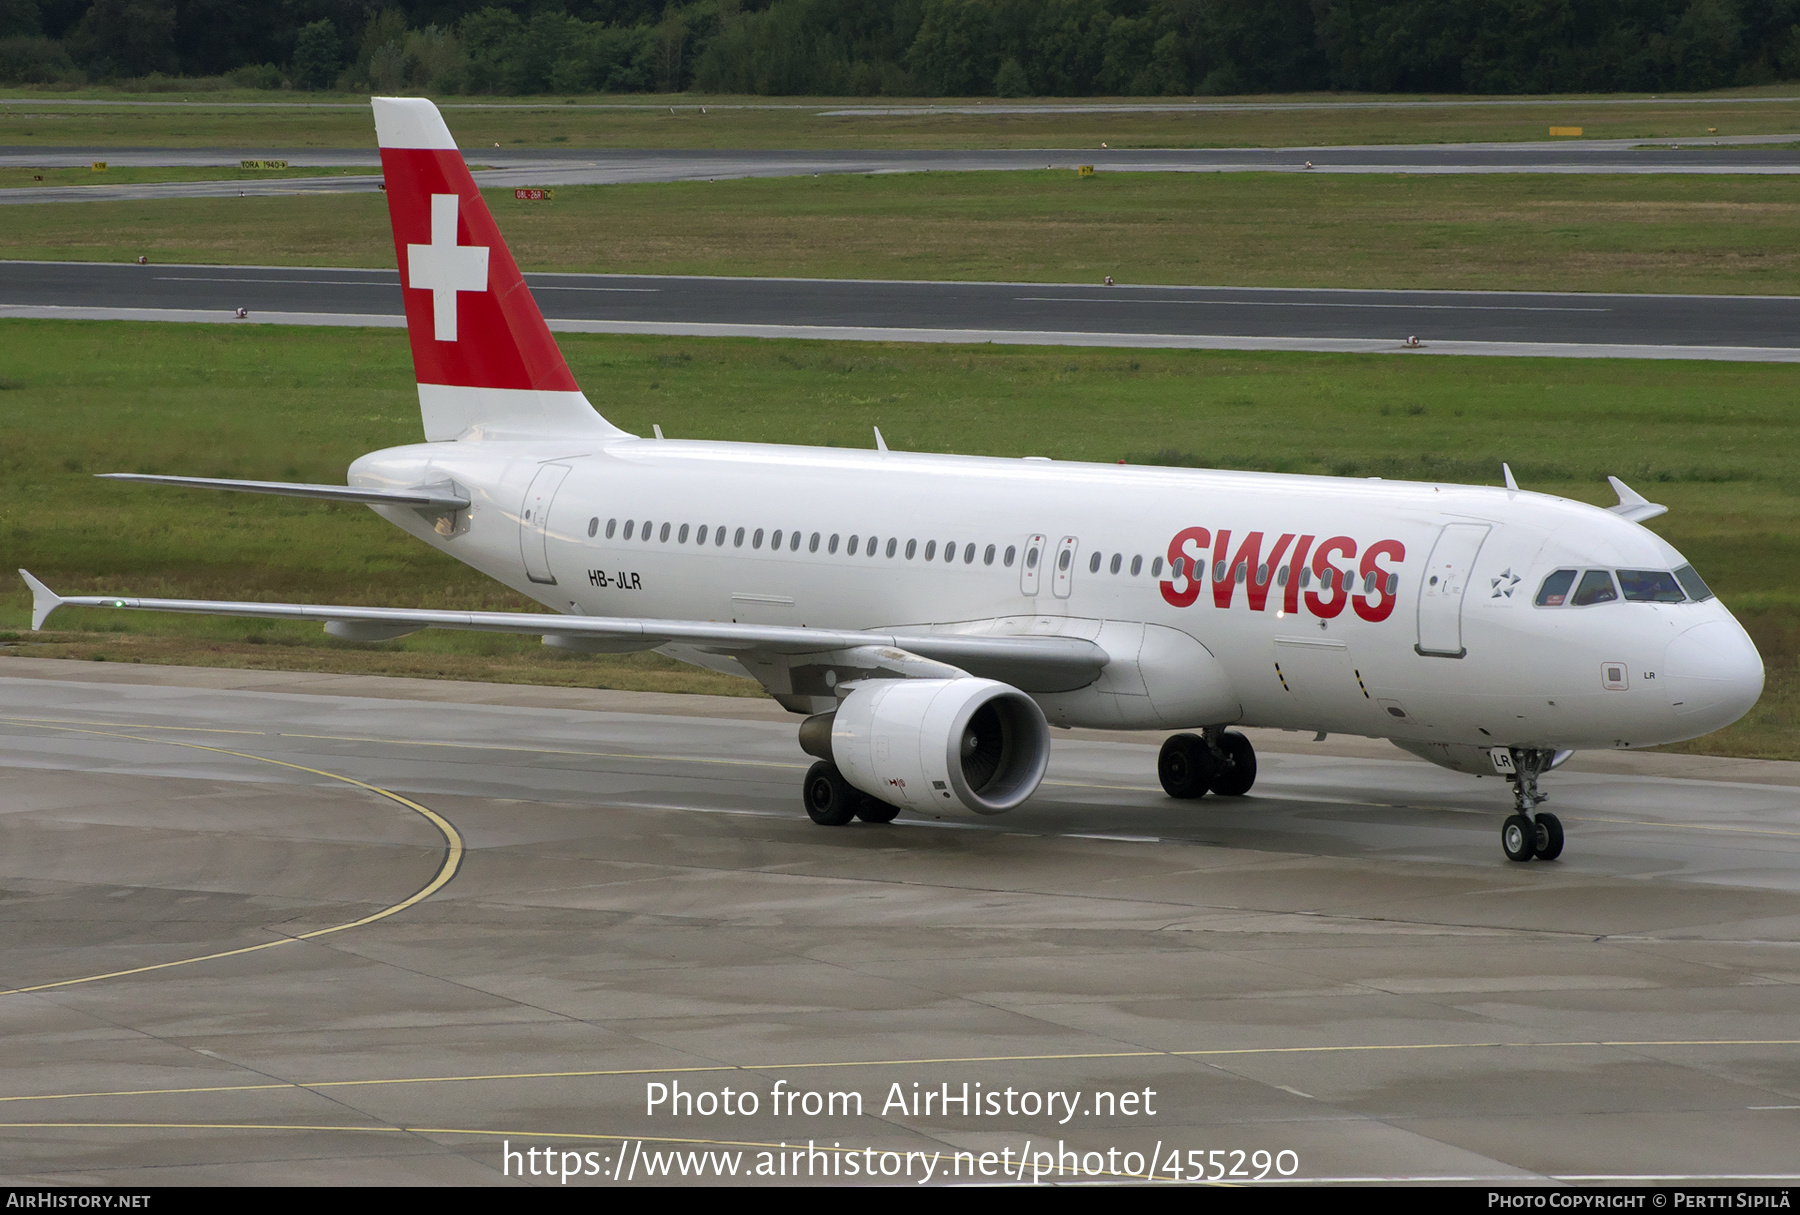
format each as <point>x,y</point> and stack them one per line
<point>1217,761</point>
<point>1529,832</point>
<point>832,801</point>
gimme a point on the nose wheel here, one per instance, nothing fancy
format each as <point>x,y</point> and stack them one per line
<point>1529,832</point>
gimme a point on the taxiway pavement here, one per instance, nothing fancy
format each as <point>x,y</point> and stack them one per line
<point>1341,965</point>
<point>512,167</point>
<point>1759,328</point>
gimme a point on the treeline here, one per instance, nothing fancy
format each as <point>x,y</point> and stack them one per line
<point>1006,48</point>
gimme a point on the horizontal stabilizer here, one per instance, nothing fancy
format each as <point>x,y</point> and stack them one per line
<point>1053,663</point>
<point>442,497</point>
<point>1633,505</point>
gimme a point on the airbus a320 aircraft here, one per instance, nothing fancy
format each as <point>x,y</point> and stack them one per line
<point>932,616</point>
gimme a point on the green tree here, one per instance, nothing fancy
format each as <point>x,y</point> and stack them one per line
<point>1011,80</point>
<point>317,56</point>
<point>125,38</point>
<point>953,53</point>
<point>19,19</point>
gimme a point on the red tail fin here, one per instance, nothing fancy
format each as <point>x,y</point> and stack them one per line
<point>487,366</point>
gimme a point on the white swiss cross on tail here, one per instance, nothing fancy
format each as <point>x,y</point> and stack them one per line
<point>484,359</point>
<point>444,267</point>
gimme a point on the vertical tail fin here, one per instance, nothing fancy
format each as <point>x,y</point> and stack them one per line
<point>486,364</point>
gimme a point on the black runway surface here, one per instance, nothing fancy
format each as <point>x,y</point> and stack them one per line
<point>1052,309</point>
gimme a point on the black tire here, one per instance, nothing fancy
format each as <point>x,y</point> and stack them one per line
<point>830,799</point>
<point>1518,838</point>
<point>1549,842</point>
<point>874,810</point>
<point>1234,779</point>
<point>1185,766</point>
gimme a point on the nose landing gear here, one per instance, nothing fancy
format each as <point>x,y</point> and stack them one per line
<point>1529,832</point>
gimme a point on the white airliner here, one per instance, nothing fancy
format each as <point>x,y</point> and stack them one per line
<point>933,615</point>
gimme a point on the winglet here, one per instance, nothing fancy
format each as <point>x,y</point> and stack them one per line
<point>1506,471</point>
<point>1633,505</point>
<point>43,600</point>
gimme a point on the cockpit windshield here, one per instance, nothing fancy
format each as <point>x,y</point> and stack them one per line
<point>1561,587</point>
<point>1650,586</point>
<point>1691,583</point>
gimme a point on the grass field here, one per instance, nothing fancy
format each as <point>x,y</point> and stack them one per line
<point>1717,442</point>
<point>251,119</point>
<point>124,175</point>
<point>1540,232</point>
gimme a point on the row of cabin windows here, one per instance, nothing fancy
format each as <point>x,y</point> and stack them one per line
<point>1328,578</point>
<point>871,545</point>
<point>867,546</point>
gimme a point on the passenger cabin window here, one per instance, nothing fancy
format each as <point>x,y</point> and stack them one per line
<point>737,541</point>
<point>719,536</point>
<point>892,545</point>
<point>1596,587</point>
<point>949,550</point>
<point>794,542</point>
<point>1650,586</point>
<point>1011,552</point>
<point>1156,567</point>
<point>612,525</point>
<point>664,537</point>
<point>630,524</point>
<point>931,550</point>
<point>644,531</point>
<point>1555,591</point>
<point>1094,563</point>
<point>775,540</point>
<point>968,554</point>
<point>987,558</point>
<point>831,545</point>
<point>912,546</point>
<point>593,526</point>
<point>756,540</point>
<point>682,537</point>
<point>1690,581</point>
<point>1137,566</point>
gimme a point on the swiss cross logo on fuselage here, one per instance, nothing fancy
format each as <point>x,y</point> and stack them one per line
<point>444,267</point>
<point>1264,563</point>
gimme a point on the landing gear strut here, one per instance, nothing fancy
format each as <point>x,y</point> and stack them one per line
<point>1529,832</point>
<point>1219,761</point>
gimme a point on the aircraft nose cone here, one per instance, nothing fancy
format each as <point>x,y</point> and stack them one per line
<point>1714,674</point>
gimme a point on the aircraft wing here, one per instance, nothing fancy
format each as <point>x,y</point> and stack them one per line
<point>1033,664</point>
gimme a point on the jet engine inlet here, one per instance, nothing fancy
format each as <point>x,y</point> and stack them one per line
<point>974,743</point>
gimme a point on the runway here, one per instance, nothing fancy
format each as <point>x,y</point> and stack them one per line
<point>1341,967</point>
<point>1759,328</point>
<point>506,168</point>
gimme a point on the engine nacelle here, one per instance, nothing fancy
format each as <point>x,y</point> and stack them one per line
<point>971,742</point>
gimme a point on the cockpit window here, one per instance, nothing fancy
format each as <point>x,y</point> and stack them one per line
<point>1691,583</point>
<point>1650,586</point>
<point>1596,587</point>
<point>1555,591</point>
